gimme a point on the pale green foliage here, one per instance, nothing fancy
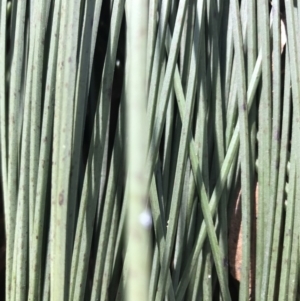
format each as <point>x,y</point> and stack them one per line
<point>126,128</point>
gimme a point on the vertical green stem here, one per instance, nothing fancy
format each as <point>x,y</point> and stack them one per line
<point>13,111</point>
<point>137,219</point>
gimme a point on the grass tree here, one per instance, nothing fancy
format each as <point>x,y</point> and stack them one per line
<point>149,149</point>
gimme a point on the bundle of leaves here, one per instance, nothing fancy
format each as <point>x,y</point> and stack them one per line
<point>149,150</point>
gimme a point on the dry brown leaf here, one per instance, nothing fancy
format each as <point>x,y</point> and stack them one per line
<point>235,240</point>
